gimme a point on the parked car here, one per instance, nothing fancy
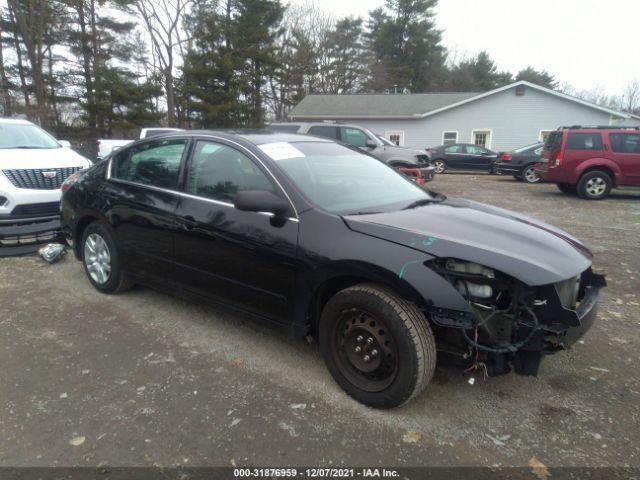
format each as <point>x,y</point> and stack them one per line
<point>363,138</point>
<point>520,163</point>
<point>33,165</point>
<point>308,233</point>
<point>590,161</point>
<point>461,156</point>
<point>108,145</point>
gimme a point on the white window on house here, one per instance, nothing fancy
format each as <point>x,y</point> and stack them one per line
<point>542,136</point>
<point>481,137</point>
<point>396,137</point>
<point>449,137</point>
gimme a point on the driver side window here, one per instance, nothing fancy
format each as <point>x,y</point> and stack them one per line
<point>218,172</point>
<point>354,137</point>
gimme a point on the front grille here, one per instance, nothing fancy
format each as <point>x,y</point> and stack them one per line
<point>35,179</point>
<point>37,209</point>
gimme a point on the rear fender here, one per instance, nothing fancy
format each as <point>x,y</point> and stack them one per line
<point>602,163</point>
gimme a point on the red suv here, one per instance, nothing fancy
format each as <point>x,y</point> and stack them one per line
<point>590,161</point>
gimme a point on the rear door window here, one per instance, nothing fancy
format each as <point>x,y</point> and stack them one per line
<point>155,164</point>
<point>454,149</point>
<point>625,142</point>
<point>584,141</point>
<point>325,131</point>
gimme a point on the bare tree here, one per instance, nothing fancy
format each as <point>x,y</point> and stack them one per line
<point>630,98</point>
<point>163,20</point>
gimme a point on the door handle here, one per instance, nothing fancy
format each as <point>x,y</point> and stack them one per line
<point>189,223</point>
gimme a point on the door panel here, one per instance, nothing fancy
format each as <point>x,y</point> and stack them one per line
<point>455,156</point>
<point>247,259</point>
<point>625,149</point>
<point>141,198</point>
<point>478,158</point>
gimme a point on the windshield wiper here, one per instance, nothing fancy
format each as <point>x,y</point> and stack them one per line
<point>424,201</point>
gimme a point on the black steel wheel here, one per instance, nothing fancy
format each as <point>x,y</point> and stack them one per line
<point>378,346</point>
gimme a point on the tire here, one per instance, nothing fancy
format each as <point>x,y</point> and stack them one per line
<point>529,175</point>
<point>566,188</point>
<point>440,165</point>
<point>518,178</point>
<point>594,185</point>
<point>101,260</point>
<point>373,318</point>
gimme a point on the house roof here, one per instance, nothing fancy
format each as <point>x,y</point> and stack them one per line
<point>376,105</point>
<point>415,105</point>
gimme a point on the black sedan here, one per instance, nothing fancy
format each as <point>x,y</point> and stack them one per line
<point>461,156</point>
<point>307,233</point>
<point>520,163</point>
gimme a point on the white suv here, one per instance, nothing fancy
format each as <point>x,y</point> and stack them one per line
<point>33,166</point>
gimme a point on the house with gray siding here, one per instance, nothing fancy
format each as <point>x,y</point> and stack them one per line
<point>502,119</point>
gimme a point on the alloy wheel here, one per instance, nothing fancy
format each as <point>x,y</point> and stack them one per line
<point>595,186</point>
<point>97,258</point>
<point>530,175</point>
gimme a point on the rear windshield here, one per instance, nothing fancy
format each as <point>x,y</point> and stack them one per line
<point>554,140</point>
<point>531,147</point>
<point>290,128</point>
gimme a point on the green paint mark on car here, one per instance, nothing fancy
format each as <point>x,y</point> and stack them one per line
<point>404,267</point>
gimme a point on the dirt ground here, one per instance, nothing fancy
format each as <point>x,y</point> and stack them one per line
<point>143,378</point>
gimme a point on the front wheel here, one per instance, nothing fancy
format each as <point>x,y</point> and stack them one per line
<point>378,346</point>
<point>439,165</point>
<point>101,260</point>
<point>529,175</point>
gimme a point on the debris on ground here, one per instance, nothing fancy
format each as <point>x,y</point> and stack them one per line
<point>52,252</point>
<point>539,469</point>
<point>411,437</point>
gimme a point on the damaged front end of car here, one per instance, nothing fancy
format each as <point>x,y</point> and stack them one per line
<point>509,324</point>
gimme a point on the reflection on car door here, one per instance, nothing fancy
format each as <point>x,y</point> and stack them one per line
<point>455,156</point>
<point>244,258</point>
<point>477,158</point>
<point>141,197</point>
<point>625,149</point>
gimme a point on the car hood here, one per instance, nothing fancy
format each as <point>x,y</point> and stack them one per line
<point>531,251</point>
<point>407,152</point>
<point>18,158</point>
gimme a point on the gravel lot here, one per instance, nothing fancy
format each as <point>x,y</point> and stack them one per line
<point>146,379</point>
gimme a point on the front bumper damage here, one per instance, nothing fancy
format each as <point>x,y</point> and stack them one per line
<point>516,333</point>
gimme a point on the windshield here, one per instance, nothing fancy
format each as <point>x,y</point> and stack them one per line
<point>21,135</point>
<point>343,181</point>
<point>386,141</point>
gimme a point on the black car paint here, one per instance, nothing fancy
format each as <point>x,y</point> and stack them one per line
<point>463,160</point>
<point>519,161</point>
<point>282,268</point>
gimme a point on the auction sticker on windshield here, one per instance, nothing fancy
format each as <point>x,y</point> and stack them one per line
<point>281,150</point>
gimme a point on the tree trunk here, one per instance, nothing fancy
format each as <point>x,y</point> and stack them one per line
<point>21,74</point>
<point>6,97</point>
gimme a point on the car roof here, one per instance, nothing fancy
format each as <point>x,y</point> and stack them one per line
<point>15,121</point>
<point>256,136</point>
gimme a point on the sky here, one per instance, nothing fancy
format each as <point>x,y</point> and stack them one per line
<point>589,44</point>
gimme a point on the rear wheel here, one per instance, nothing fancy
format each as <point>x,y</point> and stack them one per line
<point>378,347</point>
<point>439,165</point>
<point>594,185</point>
<point>101,260</point>
<point>529,175</point>
<point>566,188</point>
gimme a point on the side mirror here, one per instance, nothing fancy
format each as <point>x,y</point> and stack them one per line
<point>370,144</point>
<point>65,143</point>
<point>260,201</point>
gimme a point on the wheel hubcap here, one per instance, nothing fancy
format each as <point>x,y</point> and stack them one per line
<point>531,175</point>
<point>596,186</point>
<point>97,258</point>
<point>439,167</point>
<point>365,351</point>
